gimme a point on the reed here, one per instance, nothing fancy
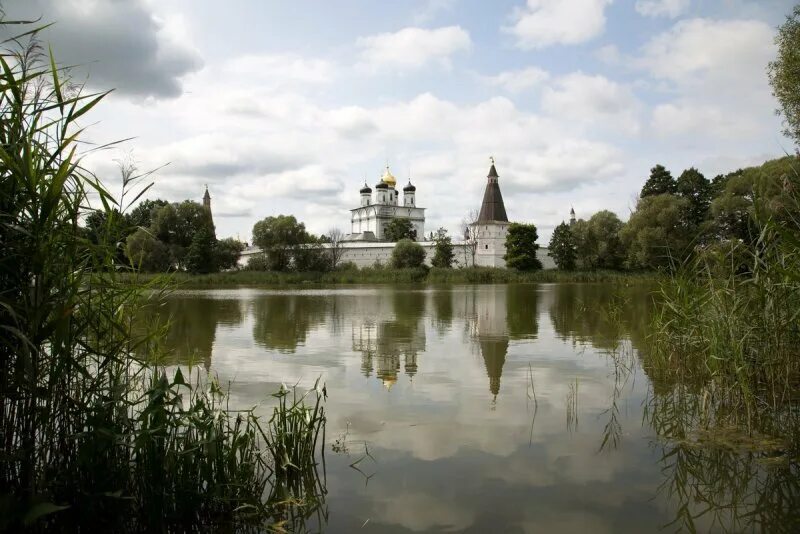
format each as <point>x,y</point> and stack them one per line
<point>92,436</point>
<point>372,275</point>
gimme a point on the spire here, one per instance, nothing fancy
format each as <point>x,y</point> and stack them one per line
<point>493,208</point>
<point>207,200</point>
<point>571,215</point>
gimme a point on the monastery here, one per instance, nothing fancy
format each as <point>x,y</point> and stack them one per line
<point>484,243</point>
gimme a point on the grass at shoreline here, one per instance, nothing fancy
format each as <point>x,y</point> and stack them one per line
<point>478,275</point>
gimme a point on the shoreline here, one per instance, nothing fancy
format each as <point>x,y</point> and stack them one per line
<point>387,276</point>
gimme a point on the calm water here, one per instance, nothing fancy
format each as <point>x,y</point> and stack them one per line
<point>484,408</point>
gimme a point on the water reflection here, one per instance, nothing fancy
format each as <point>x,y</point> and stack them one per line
<point>282,321</point>
<point>458,364</point>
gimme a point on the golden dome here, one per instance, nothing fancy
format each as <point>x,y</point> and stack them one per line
<point>388,178</point>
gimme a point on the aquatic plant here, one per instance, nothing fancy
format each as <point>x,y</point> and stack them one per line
<point>92,436</point>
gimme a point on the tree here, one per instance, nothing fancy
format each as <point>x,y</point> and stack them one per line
<point>659,183</point>
<point>398,229</point>
<point>176,225</point>
<point>562,247</point>
<point>142,215</point>
<point>695,188</point>
<point>597,241</point>
<point>277,237</point>
<point>407,254</point>
<point>443,256</point>
<point>658,234</point>
<point>200,257</point>
<point>310,257</point>
<point>784,74</point>
<point>227,253</point>
<point>147,253</point>
<point>335,237</point>
<point>470,237</point>
<point>521,247</point>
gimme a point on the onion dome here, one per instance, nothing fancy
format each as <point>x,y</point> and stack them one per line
<point>381,185</point>
<point>409,187</point>
<point>388,178</point>
<point>366,189</point>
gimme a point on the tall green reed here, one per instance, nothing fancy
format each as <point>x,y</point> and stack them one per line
<point>92,436</point>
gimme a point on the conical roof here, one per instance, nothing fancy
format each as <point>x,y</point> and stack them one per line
<point>493,209</point>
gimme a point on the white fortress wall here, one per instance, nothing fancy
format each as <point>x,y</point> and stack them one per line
<point>368,254</point>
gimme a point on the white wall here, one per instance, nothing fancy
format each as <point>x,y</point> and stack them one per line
<point>367,254</point>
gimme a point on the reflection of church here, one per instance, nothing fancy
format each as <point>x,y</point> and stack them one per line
<point>383,348</point>
<point>390,336</point>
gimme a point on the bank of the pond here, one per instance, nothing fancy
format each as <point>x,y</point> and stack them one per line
<point>477,275</point>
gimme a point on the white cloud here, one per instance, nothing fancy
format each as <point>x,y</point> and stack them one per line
<point>593,100</point>
<point>715,72</point>
<point>662,8</point>
<point>517,81</point>
<point>609,54</point>
<point>543,23</point>
<point>431,9</point>
<point>281,69</point>
<point>725,53</point>
<point>413,47</point>
<point>120,45</point>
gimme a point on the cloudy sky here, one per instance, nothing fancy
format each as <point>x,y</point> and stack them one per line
<point>287,107</point>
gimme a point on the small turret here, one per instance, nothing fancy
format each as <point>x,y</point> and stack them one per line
<point>366,194</point>
<point>381,193</point>
<point>571,216</point>
<point>409,194</point>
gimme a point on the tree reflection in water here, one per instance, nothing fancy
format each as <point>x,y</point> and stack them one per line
<point>282,321</point>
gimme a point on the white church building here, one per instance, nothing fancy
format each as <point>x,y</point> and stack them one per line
<point>368,221</point>
<point>484,243</point>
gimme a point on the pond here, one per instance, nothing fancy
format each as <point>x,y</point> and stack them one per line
<point>500,408</point>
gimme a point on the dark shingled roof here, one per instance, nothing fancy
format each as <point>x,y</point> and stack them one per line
<point>493,208</point>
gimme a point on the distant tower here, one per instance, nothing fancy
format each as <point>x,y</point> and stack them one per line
<point>571,216</point>
<point>207,200</point>
<point>491,227</point>
<point>207,204</point>
<point>366,195</point>
<point>409,192</point>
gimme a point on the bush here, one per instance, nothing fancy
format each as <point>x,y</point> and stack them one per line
<point>521,247</point>
<point>407,254</point>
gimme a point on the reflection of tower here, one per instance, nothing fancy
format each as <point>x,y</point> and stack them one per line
<point>364,341</point>
<point>490,330</point>
<point>494,350</point>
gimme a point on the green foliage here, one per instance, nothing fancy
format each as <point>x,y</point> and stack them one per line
<point>93,437</point>
<point>443,255</point>
<point>521,247</point>
<point>407,254</point>
<point>201,256</point>
<point>257,262</point>
<point>142,215</point>
<point>227,253</point>
<point>658,234</point>
<point>277,237</point>
<point>784,74</point>
<point>597,241</point>
<point>562,247</point>
<point>695,188</point>
<point>148,253</point>
<point>660,182</point>
<point>311,257</point>
<point>732,332</point>
<point>398,229</point>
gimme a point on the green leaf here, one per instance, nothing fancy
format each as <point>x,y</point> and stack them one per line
<point>37,511</point>
<point>56,83</point>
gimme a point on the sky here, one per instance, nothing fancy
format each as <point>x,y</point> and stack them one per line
<point>289,107</point>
